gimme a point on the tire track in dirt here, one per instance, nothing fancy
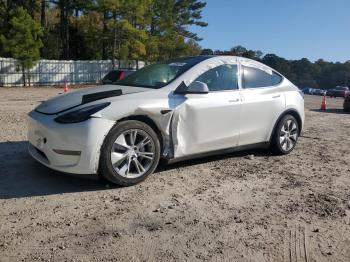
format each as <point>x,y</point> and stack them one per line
<point>237,207</point>
<point>297,244</point>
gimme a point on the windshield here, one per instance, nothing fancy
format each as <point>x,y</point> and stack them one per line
<point>160,74</point>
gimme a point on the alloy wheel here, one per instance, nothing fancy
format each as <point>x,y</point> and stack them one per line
<point>288,135</point>
<point>133,153</point>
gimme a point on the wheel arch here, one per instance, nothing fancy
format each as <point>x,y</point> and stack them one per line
<point>291,112</point>
<point>148,121</point>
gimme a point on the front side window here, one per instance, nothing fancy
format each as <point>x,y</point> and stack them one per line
<point>255,78</point>
<point>160,74</point>
<point>220,78</point>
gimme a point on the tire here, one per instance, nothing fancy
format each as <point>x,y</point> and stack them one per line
<point>130,153</point>
<point>286,135</point>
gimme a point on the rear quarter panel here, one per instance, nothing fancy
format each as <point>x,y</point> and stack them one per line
<point>294,101</point>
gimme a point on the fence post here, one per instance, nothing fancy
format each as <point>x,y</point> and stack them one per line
<point>23,75</point>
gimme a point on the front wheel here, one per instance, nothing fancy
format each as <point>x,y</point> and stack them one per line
<point>286,135</point>
<point>129,153</point>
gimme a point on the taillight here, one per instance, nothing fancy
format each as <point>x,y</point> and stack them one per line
<point>122,75</point>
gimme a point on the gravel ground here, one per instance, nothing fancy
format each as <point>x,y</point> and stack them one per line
<point>247,206</point>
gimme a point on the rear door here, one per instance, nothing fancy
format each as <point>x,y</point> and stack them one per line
<point>209,122</point>
<point>262,103</point>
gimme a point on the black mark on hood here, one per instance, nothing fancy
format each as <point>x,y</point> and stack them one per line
<point>101,95</point>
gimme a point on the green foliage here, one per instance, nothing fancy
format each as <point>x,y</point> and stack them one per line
<point>193,48</point>
<point>3,23</point>
<point>110,29</point>
<point>207,51</point>
<point>113,29</point>
<point>129,40</point>
<point>22,41</point>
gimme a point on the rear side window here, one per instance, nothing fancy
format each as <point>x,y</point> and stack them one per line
<point>276,79</point>
<point>255,78</point>
<point>220,78</point>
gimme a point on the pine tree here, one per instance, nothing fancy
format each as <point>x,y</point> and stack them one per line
<point>150,30</point>
<point>170,20</point>
<point>23,39</point>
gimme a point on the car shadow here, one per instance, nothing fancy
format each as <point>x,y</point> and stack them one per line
<point>21,176</point>
<point>331,110</point>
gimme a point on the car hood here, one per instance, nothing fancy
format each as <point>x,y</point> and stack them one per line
<point>75,98</point>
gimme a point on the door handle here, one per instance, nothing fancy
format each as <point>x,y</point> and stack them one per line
<point>277,96</point>
<point>233,100</point>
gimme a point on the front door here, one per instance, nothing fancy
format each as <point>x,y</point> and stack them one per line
<point>209,122</point>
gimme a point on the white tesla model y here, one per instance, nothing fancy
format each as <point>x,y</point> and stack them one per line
<point>175,110</point>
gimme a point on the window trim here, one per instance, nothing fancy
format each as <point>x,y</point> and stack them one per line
<point>220,91</point>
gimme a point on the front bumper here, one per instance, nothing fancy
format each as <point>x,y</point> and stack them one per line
<point>69,148</point>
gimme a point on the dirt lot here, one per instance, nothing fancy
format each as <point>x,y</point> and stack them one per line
<point>249,206</point>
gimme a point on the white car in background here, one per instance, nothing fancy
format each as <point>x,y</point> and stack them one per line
<point>180,109</point>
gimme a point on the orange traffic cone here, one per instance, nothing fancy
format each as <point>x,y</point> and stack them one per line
<point>324,103</point>
<point>66,89</point>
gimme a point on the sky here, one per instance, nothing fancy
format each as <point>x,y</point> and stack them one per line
<point>292,29</point>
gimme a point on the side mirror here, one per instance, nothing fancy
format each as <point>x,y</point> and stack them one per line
<point>198,87</point>
<point>195,87</point>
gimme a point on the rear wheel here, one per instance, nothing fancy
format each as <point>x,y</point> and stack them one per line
<point>286,135</point>
<point>129,153</point>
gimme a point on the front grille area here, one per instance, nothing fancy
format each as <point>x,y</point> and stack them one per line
<point>41,153</point>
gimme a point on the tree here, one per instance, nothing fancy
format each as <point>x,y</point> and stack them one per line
<point>170,21</point>
<point>23,40</point>
<point>2,23</point>
<point>238,50</point>
<point>51,39</point>
<point>278,63</point>
<point>128,41</point>
<point>193,48</point>
<point>43,13</point>
<point>207,51</point>
<point>150,30</point>
<point>188,13</point>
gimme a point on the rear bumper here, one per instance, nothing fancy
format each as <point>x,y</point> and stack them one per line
<point>70,148</point>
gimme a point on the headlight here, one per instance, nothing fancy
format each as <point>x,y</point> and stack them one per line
<point>81,114</point>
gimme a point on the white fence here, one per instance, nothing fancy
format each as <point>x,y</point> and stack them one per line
<point>53,72</point>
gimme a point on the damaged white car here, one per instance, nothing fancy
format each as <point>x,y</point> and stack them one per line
<point>180,109</point>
